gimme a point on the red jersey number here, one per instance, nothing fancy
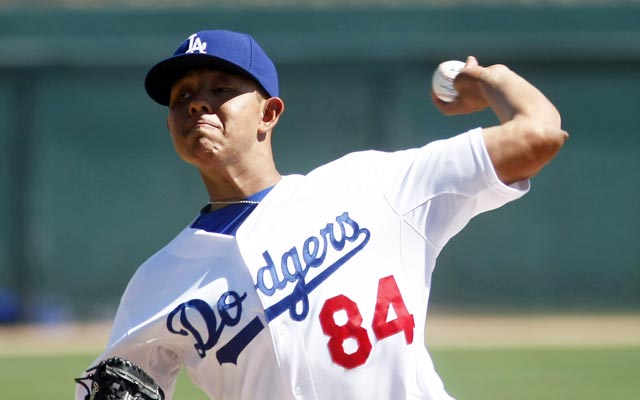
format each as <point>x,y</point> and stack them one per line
<point>388,295</point>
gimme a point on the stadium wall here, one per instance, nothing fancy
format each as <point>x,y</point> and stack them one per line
<point>91,186</point>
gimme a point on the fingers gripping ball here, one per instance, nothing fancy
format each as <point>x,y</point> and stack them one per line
<point>118,379</point>
<point>442,81</point>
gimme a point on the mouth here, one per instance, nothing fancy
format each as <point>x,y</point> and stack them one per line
<point>206,123</point>
<point>203,125</point>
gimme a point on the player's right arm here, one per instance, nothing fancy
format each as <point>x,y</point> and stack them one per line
<point>529,134</point>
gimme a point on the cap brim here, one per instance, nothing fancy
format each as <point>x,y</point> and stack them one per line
<point>163,75</point>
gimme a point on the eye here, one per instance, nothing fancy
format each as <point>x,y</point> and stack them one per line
<point>222,89</point>
<point>183,95</point>
<point>180,96</point>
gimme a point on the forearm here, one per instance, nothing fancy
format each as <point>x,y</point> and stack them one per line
<point>511,97</point>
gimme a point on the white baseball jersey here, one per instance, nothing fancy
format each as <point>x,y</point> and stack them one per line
<point>323,292</point>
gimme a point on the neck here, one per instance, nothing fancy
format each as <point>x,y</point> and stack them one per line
<point>238,187</point>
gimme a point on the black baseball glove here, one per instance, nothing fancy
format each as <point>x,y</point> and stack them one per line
<point>118,379</point>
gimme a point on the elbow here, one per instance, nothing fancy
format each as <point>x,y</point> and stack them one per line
<point>545,142</point>
<point>521,148</point>
<point>544,131</point>
<point>552,131</point>
<point>543,136</point>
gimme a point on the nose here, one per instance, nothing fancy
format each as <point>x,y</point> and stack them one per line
<point>199,103</point>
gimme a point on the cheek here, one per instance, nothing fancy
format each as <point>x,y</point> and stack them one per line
<point>176,138</point>
<point>174,128</point>
<point>243,127</point>
<point>171,123</point>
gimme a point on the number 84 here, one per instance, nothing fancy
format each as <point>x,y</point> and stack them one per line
<point>388,295</point>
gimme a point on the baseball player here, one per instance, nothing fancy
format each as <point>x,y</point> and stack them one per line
<point>314,286</point>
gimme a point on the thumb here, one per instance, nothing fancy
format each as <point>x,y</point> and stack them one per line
<point>471,62</point>
<point>472,69</point>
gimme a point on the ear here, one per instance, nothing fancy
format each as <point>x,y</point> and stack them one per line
<point>273,108</point>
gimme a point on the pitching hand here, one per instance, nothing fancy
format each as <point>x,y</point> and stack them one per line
<point>471,84</point>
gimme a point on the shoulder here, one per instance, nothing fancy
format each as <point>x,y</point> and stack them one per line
<point>362,163</point>
<point>470,140</point>
<point>154,268</point>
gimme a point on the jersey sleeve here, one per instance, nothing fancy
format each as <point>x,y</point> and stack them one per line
<point>438,188</point>
<point>162,364</point>
<point>132,339</point>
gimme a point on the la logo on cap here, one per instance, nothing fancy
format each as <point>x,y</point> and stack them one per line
<point>196,45</point>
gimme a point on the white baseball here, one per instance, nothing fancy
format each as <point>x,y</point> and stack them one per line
<point>442,81</point>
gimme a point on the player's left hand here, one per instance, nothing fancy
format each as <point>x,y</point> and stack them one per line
<point>118,379</point>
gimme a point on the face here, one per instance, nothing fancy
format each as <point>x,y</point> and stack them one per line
<point>215,118</point>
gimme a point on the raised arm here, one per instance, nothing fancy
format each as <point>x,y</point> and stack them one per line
<point>529,134</point>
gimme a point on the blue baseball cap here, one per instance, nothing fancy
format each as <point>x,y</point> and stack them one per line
<point>217,49</point>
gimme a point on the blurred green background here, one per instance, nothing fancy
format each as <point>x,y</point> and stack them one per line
<point>91,186</point>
